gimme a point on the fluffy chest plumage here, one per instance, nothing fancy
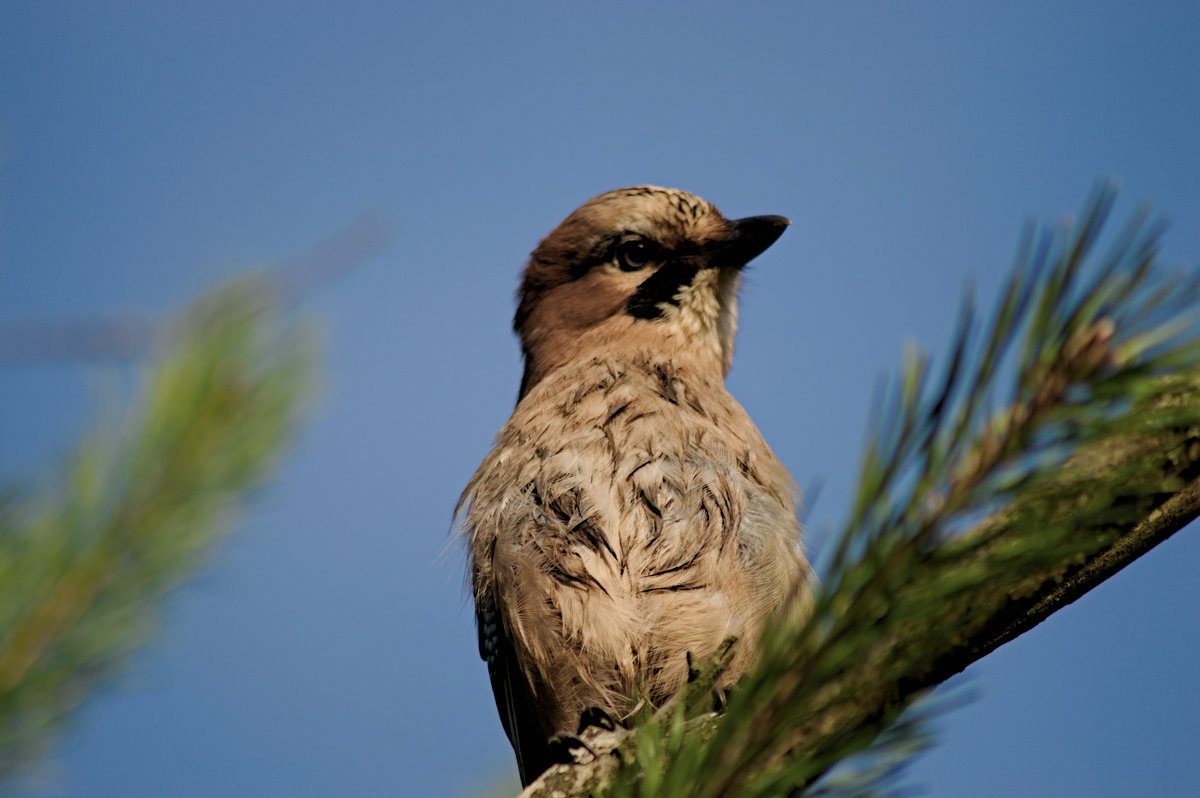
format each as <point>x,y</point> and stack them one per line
<point>630,480</point>
<point>626,518</point>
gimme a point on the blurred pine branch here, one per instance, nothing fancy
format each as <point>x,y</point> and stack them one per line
<point>1061,442</point>
<point>83,564</point>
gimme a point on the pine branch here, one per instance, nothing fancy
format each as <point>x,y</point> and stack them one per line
<point>83,564</point>
<point>1092,460</point>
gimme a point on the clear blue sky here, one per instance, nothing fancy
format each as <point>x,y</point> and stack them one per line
<point>148,150</point>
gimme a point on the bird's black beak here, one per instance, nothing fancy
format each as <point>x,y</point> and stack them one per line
<point>748,238</point>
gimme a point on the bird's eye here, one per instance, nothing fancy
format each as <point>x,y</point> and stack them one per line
<point>633,255</point>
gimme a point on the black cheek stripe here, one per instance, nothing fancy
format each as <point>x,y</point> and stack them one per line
<point>662,286</point>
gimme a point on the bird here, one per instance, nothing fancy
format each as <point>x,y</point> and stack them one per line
<point>629,514</point>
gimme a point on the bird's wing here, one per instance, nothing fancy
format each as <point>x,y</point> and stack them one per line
<point>514,700</point>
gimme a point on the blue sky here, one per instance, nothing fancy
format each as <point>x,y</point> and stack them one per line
<point>148,150</point>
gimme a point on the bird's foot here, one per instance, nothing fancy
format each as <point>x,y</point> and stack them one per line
<point>593,738</point>
<point>595,717</point>
<point>720,697</point>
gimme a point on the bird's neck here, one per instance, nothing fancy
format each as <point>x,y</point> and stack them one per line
<point>695,355</point>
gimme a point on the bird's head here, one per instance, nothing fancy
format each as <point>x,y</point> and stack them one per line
<point>643,269</point>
